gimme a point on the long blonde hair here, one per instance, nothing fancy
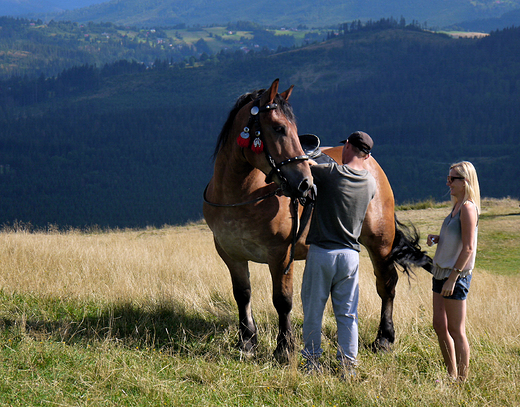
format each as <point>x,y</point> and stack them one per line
<point>471,187</point>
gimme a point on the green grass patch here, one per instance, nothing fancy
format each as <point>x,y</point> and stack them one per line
<point>100,365</point>
<point>425,204</point>
<point>499,252</point>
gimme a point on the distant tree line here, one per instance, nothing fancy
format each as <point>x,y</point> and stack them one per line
<point>381,24</point>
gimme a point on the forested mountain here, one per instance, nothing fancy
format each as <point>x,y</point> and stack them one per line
<point>121,145</point>
<point>160,13</point>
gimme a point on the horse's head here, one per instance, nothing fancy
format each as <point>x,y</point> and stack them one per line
<point>265,130</point>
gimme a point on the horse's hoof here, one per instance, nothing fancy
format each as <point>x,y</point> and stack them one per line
<point>282,356</point>
<point>381,345</point>
<point>247,348</point>
<point>283,352</point>
<point>247,354</point>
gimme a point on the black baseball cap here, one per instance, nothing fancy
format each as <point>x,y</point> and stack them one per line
<point>361,140</point>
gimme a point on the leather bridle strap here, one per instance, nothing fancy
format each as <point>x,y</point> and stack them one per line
<point>254,125</point>
<point>277,168</point>
<point>296,232</point>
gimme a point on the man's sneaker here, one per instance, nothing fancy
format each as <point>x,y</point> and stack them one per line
<point>312,366</point>
<point>347,370</point>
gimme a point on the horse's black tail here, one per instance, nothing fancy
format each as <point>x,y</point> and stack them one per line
<point>406,251</point>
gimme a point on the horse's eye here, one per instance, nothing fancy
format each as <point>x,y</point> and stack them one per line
<point>279,129</point>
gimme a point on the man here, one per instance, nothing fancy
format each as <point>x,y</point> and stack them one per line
<point>343,194</point>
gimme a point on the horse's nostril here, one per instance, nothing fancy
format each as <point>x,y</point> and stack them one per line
<point>304,186</point>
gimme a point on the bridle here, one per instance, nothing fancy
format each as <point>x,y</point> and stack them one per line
<point>253,124</point>
<point>258,145</point>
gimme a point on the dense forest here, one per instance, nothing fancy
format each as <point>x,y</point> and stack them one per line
<point>125,145</point>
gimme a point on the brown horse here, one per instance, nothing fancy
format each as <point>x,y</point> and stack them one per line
<point>259,166</point>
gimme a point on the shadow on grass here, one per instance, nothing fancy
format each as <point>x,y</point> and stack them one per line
<point>173,327</point>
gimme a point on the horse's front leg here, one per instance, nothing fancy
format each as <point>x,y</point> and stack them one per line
<point>282,300</point>
<point>239,270</point>
<point>248,339</point>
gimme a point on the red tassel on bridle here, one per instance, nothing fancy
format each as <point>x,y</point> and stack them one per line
<point>243,140</point>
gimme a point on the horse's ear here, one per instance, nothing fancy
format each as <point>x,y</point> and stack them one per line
<point>287,94</point>
<point>273,90</point>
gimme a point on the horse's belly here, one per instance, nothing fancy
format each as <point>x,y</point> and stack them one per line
<point>241,245</point>
<point>245,241</point>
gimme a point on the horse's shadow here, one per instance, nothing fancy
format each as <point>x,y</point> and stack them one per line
<point>172,327</point>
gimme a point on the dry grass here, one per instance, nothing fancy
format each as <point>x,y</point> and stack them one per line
<point>177,267</point>
<point>113,266</point>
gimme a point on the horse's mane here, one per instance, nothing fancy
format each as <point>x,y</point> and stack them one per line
<point>239,104</point>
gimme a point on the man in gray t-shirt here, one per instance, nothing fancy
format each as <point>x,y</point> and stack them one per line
<point>343,194</point>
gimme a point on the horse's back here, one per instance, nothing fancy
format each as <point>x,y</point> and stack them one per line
<point>379,225</point>
<point>384,193</point>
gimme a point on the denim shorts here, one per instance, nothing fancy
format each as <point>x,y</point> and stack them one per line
<point>460,292</point>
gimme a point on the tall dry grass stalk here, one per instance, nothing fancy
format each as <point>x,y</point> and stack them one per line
<point>146,265</point>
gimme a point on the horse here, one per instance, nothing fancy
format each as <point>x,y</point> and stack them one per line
<point>260,170</point>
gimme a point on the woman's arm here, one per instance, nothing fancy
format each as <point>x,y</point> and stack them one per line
<point>468,223</point>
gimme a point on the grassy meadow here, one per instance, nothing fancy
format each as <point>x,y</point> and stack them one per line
<point>147,318</point>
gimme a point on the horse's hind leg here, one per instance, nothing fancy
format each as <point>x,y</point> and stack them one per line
<point>239,271</point>
<point>386,281</point>
<point>395,245</point>
<point>378,241</point>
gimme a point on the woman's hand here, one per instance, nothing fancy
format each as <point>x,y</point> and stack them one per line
<point>432,239</point>
<point>448,287</point>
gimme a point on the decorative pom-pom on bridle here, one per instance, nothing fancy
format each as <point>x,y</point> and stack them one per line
<point>244,139</point>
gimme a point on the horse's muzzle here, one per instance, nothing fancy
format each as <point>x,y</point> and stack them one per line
<point>299,191</point>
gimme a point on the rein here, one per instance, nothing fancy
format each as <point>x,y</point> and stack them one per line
<point>252,201</point>
<point>296,231</point>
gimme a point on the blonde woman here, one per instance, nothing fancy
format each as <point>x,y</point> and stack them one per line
<point>453,265</point>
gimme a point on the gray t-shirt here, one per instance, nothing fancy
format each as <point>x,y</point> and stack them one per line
<point>343,195</point>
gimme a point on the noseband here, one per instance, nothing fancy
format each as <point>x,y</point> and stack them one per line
<point>259,144</point>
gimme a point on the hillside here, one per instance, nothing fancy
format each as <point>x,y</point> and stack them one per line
<point>126,146</point>
<point>34,48</point>
<point>485,25</point>
<point>292,13</point>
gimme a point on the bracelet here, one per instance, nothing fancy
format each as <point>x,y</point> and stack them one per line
<point>456,270</point>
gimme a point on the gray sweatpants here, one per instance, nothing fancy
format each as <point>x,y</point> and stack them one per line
<point>334,273</point>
